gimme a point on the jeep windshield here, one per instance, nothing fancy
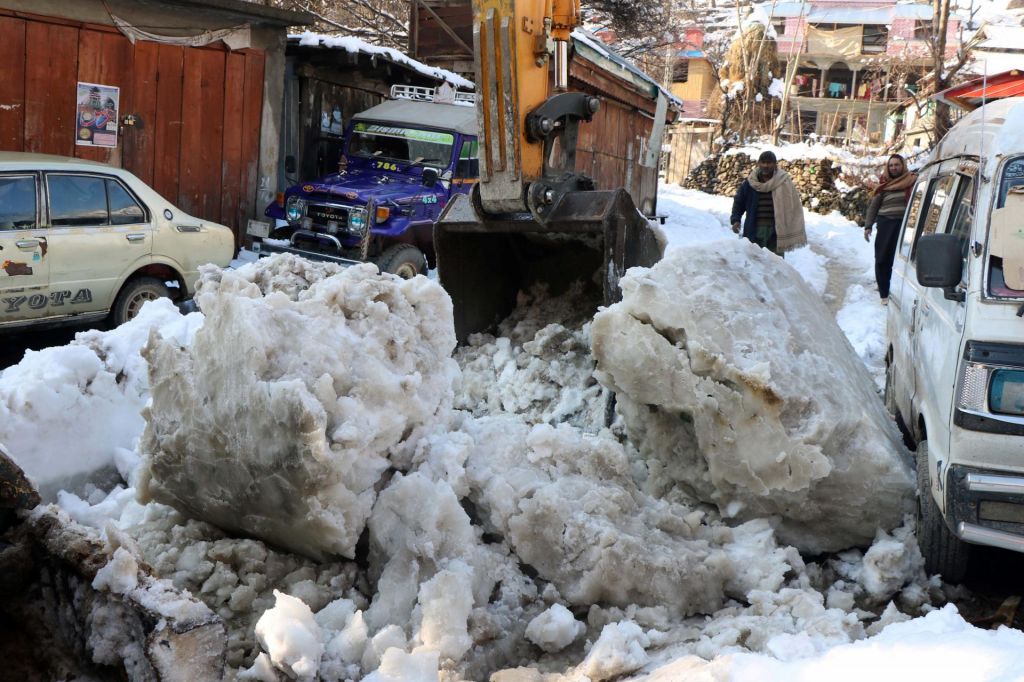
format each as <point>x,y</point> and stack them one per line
<point>400,144</point>
<point>1006,246</point>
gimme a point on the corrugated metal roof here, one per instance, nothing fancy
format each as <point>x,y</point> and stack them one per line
<point>425,114</point>
<point>844,14</point>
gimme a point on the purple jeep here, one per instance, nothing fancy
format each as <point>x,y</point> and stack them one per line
<point>403,159</point>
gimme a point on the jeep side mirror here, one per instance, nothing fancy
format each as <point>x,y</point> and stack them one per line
<point>289,164</point>
<point>940,263</point>
<point>430,176</point>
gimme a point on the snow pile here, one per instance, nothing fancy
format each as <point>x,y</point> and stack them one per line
<point>538,367</point>
<point>70,414</point>
<point>287,442</point>
<point>744,393</point>
<point>554,629</point>
<point>568,506</point>
<point>940,646</point>
<point>492,521</point>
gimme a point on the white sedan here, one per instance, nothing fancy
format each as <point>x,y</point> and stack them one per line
<point>81,240</point>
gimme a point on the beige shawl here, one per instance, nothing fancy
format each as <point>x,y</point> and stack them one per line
<point>789,212</point>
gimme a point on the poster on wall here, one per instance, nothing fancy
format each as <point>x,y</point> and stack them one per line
<point>96,122</point>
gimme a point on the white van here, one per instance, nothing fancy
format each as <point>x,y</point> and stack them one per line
<point>955,363</point>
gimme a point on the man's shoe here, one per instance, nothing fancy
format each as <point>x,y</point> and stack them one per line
<point>885,301</point>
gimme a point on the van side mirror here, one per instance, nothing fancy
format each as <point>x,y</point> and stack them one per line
<point>940,263</point>
<point>289,164</point>
<point>430,176</point>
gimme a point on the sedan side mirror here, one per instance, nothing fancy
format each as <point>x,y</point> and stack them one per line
<point>940,263</point>
<point>430,176</point>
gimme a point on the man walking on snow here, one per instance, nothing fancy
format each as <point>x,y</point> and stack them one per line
<point>775,215</point>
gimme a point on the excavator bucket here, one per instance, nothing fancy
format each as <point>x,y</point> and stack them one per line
<point>485,260</point>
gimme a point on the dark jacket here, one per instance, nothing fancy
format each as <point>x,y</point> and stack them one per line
<point>745,201</point>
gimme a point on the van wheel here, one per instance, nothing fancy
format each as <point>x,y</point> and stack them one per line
<point>944,553</point>
<point>404,260</point>
<point>134,295</point>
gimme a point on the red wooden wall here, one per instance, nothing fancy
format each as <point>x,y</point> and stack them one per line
<point>200,108</point>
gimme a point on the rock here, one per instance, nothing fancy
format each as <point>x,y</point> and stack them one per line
<point>738,388</point>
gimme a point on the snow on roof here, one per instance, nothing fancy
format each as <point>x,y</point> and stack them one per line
<point>429,114</point>
<point>627,70</point>
<point>844,14</point>
<point>1002,38</point>
<point>994,129</point>
<point>354,45</point>
<point>993,62</point>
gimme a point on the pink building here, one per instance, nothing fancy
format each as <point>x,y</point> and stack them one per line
<point>855,61</point>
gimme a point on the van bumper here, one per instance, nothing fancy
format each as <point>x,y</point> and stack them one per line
<point>985,507</point>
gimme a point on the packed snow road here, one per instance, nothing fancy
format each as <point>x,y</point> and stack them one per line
<point>372,508</point>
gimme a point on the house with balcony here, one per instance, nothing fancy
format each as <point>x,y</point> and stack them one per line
<point>855,62</point>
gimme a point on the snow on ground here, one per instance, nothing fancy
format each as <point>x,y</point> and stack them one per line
<point>518,531</point>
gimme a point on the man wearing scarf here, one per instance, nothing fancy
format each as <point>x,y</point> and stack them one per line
<point>774,213</point>
<point>888,204</point>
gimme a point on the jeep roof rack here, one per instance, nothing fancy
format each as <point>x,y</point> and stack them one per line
<point>423,94</point>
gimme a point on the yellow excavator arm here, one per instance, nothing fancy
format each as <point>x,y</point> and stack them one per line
<point>513,40</point>
<point>533,219</point>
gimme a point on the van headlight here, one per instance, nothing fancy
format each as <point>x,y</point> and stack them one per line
<point>1006,392</point>
<point>357,220</point>
<point>294,208</point>
<point>990,393</point>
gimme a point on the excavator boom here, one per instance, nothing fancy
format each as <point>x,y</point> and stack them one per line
<point>533,218</point>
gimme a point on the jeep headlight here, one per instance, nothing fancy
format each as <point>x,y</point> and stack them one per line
<point>294,209</point>
<point>357,220</point>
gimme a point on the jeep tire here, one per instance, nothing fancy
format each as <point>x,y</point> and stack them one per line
<point>404,260</point>
<point>944,553</point>
<point>133,295</point>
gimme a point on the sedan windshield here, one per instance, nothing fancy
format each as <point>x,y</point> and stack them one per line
<point>404,145</point>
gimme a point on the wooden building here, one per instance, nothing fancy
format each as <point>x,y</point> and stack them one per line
<point>198,92</point>
<point>328,80</point>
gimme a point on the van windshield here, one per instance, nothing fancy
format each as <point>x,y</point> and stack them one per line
<point>404,145</point>
<point>1006,247</point>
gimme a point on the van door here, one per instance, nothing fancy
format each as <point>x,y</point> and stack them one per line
<point>99,234</point>
<point>24,266</point>
<point>903,293</point>
<point>933,210</point>
<point>940,321</point>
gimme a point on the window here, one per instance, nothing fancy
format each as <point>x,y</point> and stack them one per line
<point>913,218</point>
<point>124,210</point>
<point>77,200</point>
<point>938,192</point>
<point>469,164</point>
<point>961,216</point>
<point>923,29</point>
<point>780,27</point>
<point>91,201</point>
<point>876,37</point>
<point>681,71</point>
<point>1013,176</point>
<point>17,202</point>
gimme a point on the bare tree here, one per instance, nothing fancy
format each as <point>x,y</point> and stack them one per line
<point>380,22</point>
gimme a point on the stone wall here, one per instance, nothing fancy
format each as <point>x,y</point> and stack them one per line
<point>815,179</point>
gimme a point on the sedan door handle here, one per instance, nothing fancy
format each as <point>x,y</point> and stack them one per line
<point>135,237</point>
<point>27,243</point>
